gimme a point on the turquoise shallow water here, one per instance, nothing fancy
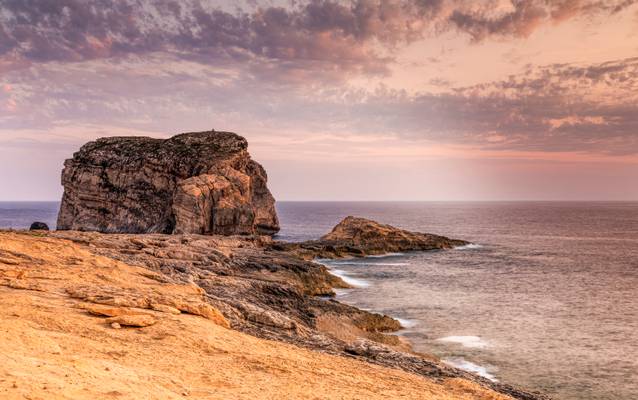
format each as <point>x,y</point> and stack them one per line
<point>546,298</point>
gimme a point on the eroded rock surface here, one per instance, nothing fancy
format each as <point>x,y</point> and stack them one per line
<point>267,290</point>
<point>201,182</point>
<point>54,345</point>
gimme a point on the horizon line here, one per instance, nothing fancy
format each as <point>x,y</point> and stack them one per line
<point>405,201</point>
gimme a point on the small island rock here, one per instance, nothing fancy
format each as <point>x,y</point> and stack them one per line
<point>359,237</point>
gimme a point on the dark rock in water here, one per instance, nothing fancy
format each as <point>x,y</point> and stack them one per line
<point>358,237</point>
<point>201,182</point>
<point>39,226</point>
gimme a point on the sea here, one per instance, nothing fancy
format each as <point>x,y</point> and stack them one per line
<point>545,296</point>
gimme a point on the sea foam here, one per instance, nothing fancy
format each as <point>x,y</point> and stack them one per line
<point>361,263</point>
<point>385,255</point>
<point>474,342</point>
<point>470,246</point>
<point>468,366</point>
<point>348,279</point>
<point>407,323</point>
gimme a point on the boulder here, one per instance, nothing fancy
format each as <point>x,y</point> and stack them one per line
<point>39,226</point>
<point>135,320</point>
<point>200,182</point>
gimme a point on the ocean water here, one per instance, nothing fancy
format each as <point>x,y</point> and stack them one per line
<point>20,215</point>
<point>546,296</point>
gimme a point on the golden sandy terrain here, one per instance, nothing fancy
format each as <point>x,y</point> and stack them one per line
<point>57,343</point>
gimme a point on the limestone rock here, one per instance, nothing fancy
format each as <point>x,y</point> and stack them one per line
<point>103,311</point>
<point>165,309</point>
<point>137,320</point>
<point>109,311</point>
<point>373,237</point>
<point>206,311</point>
<point>201,182</point>
<point>24,285</point>
<point>358,237</point>
<point>261,288</point>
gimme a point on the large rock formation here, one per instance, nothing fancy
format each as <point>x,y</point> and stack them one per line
<point>200,182</point>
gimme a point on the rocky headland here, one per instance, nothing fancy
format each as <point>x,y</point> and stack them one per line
<point>233,313</point>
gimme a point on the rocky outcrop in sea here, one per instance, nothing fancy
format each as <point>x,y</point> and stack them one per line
<point>359,237</point>
<point>200,182</point>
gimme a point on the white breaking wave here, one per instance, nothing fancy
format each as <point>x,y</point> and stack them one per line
<point>385,255</point>
<point>348,279</point>
<point>468,366</point>
<point>382,264</point>
<point>341,292</point>
<point>345,263</point>
<point>398,264</point>
<point>407,323</point>
<point>470,246</point>
<point>474,342</point>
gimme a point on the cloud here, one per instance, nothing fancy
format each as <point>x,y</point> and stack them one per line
<point>317,35</point>
<point>562,108</point>
<point>321,39</point>
<point>556,108</point>
<point>521,21</point>
<point>168,66</point>
<point>523,17</point>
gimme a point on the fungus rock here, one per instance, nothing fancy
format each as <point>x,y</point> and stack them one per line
<point>200,182</point>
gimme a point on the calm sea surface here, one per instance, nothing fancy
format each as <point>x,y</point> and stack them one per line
<point>20,215</point>
<point>546,298</point>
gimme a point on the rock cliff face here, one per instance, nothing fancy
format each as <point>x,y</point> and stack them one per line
<point>200,182</point>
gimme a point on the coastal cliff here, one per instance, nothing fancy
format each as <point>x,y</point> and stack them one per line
<point>200,182</point>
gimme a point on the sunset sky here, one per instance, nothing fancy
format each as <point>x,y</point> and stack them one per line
<point>339,100</point>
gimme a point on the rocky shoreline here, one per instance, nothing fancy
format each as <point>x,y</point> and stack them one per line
<point>75,324</point>
<point>273,290</point>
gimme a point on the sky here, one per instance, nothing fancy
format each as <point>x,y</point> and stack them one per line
<point>339,100</point>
